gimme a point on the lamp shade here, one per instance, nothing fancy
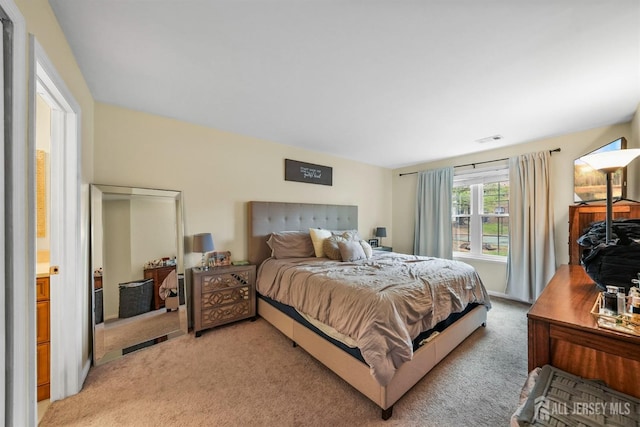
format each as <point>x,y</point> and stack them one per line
<point>202,242</point>
<point>611,161</point>
<point>381,232</point>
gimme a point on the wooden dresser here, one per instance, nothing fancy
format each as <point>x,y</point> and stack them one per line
<point>222,295</point>
<point>42,334</point>
<point>158,274</point>
<point>563,333</point>
<point>581,217</point>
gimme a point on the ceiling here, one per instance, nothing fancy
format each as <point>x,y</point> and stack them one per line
<point>384,82</point>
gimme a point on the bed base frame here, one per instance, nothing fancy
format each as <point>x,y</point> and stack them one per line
<point>357,373</point>
<point>265,218</point>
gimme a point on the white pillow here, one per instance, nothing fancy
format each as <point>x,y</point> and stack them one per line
<point>351,250</point>
<point>368,250</point>
<point>317,237</point>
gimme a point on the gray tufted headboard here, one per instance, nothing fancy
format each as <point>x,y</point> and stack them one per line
<point>268,217</point>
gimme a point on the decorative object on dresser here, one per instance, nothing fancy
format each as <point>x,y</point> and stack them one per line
<point>582,216</point>
<point>563,333</point>
<point>42,337</point>
<point>220,259</point>
<point>203,243</point>
<point>380,233</point>
<point>223,295</point>
<point>616,263</point>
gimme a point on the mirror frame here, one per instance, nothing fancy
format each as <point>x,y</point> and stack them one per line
<point>97,193</point>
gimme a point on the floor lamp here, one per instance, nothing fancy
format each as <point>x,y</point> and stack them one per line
<point>608,162</point>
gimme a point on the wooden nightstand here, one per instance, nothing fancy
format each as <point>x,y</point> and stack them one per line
<point>384,248</point>
<point>223,295</point>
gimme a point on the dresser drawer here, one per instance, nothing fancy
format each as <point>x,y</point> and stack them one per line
<point>221,314</point>
<point>225,297</point>
<point>225,280</point>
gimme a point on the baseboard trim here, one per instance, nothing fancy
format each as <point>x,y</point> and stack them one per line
<point>505,296</point>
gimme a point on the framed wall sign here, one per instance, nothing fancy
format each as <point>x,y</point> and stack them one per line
<point>307,172</point>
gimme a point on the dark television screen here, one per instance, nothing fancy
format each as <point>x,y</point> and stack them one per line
<point>590,185</point>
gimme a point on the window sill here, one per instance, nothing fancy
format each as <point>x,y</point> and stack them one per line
<point>480,257</point>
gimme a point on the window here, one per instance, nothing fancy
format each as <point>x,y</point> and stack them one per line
<point>481,212</point>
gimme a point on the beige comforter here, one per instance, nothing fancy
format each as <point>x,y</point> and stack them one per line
<point>382,303</point>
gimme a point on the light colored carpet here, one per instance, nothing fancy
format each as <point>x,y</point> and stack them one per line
<point>117,334</point>
<point>248,374</point>
<point>127,332</point>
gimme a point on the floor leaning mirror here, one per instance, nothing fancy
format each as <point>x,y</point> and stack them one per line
<point>137,247</point>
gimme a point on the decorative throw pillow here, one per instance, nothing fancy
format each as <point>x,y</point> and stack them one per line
<point>368,250</point>
<point>318,235</point>
<point>351,251</point>
<point>331,248</point>
<point>347,234</point>
<point>291,244</point>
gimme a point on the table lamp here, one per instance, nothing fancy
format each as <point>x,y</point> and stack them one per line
<point>203,242</point>
<point>608,162</point>
<point>381,232</point>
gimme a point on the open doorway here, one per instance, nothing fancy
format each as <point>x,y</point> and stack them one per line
<point>54,143</point>
<point>43,235</point>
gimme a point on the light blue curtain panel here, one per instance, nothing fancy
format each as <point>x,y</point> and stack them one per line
<point>433,234</point>
<point>531,261</point>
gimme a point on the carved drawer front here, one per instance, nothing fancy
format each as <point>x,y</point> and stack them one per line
<point>225,306</point>
<point>225,296</point>
<point>227,280</point>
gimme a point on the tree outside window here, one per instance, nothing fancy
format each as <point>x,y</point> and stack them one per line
<point>481,218</point>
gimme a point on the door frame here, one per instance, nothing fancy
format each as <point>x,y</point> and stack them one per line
<point>68,290</point>
<point>18,355</point>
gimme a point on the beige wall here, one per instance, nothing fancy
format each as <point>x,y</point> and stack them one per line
<point>218,172</point>
<point>573,146</point>
<point>117,253</point>
<point>42,23</point>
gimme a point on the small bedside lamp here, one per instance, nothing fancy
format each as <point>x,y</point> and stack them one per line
<point>203,242</point>
<point>608,162</point>
<point>381,232</point>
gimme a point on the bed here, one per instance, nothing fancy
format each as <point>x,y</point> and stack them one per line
<point>383,381</point>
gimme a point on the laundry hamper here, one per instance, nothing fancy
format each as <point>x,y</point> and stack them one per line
<point>135,298</point>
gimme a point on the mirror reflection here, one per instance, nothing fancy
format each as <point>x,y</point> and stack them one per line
<point>138,274</point>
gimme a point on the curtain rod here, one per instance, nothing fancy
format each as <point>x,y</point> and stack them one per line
<point>557,150</point>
